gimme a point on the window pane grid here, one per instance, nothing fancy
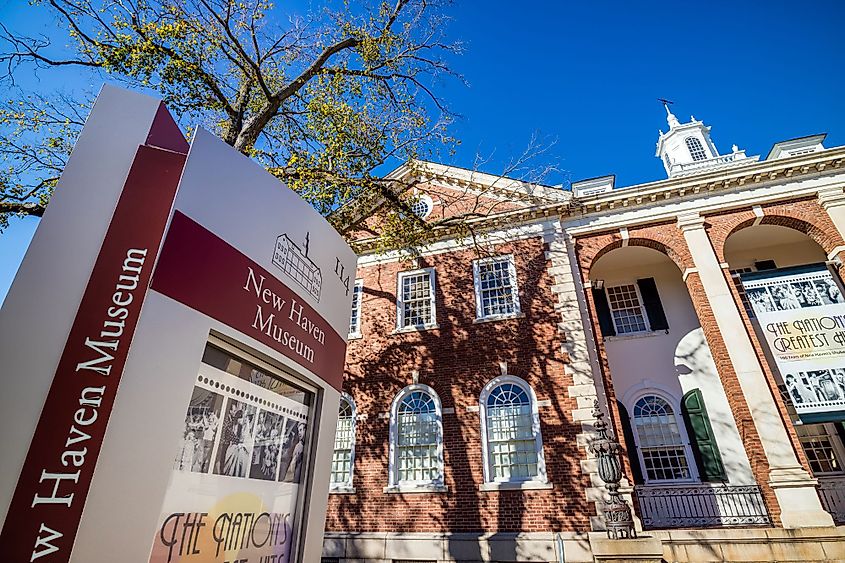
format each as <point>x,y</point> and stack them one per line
<point>626,310</point>
<point>496,288</point>
<point>355,320</point>
<point>740,289</point>
<point>696,150</point>
<point>418,438</point>
<point>341,469</point>
<point>511,441</point>
<point>819,449</point>
<point>659,440</point>
<point>416,300</point>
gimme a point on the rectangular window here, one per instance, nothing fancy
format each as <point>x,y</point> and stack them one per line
<point>743,297</point>
<point>626,309</point>
<point>355,320</point>
<point>819,447</point>
<point>496,293</point>
<point>342,455</point>
<point>416,299</point>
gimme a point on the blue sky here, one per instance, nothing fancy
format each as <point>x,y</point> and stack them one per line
<point>588,74</point>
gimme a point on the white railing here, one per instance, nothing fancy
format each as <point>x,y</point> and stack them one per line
<point>832,495</point>
<point>704,505</point>
<point>717,162</point>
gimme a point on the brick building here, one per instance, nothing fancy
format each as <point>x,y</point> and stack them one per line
<point>473,367</point>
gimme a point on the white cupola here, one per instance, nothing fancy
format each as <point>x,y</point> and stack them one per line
<point>687,148</point>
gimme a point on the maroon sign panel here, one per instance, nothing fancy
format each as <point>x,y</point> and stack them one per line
<point>204,272</point>
<point>44,515</point>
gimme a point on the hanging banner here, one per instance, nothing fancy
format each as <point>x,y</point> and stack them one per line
<point>801,312</point>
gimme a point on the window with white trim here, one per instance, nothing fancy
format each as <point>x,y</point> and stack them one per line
<point>416,441</point>
<point>355,319</point>
<point>343,456</point>
<point>496,291</point>
<point>822,447</point>
<point>696,149</point>
<point>626,309</point>
<point>416,299</point>
<point>512,444</point>
<point>660,440</point>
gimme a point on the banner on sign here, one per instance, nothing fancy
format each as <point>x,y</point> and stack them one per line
<point>801,313</point>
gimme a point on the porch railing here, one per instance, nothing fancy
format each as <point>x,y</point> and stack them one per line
<point>698,506</point>
<point>832,495</point>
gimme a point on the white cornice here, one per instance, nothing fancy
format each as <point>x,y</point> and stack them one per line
<point>489,239</point>
<point>761,182</point>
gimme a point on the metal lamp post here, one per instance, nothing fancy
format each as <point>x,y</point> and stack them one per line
<point>617,512</point>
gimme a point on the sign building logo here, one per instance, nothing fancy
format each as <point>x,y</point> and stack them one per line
<point>291,260</point>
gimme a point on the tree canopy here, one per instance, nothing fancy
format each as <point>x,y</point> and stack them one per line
<point>323,100</point>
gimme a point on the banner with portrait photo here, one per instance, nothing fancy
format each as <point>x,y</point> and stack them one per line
<point>235,486</point>
<point>801,313</point>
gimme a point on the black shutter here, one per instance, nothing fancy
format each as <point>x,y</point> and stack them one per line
<point>603,312</point>
<point>651,302</point>
<point>702,440</point>
<point>840,430</point>
<point>631,445</point>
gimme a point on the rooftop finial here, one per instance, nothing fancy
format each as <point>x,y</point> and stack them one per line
<point>670,117</point>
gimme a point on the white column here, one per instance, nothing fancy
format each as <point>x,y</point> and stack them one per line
<point>794,487</point>
<point>833,201</point>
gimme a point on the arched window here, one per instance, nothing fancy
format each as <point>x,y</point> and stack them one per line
<point>661,442</point>
<point>416,439</point>
<point>667,161</point>
<point>696,150</point>
<point>510,424</point>
<point>343,457</point>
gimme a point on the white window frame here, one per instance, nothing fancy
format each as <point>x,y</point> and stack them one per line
<point>541,478</point>
<point>692,139</point>
<point>640,303</point>
<point>835,444</point>
<point>682,430</point>
<point>476,274</point>
<point>357,287</point>
<point>348,487</point>
<point>394,484</point>
<point>400,309</point>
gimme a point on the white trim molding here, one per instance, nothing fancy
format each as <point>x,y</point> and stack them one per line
<point>347,486</point>
<point>514,286</point>
<point>395,485</point>
<point>400,310</point>
<point>496,483</point>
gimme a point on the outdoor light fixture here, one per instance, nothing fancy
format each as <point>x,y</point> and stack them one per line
<point>598,284</point>
<point>617,512</point>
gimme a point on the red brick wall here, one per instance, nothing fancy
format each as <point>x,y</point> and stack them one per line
<point>457,360</point>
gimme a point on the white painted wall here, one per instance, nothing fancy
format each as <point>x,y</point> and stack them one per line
<point>674,362</point>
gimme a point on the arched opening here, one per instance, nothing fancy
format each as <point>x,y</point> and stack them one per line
<point>655,346</point>
<point>775,247</point>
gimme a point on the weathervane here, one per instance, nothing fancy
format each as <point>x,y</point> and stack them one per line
<point>666,103</point>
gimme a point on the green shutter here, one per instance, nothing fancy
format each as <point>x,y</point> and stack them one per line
<point>704,447</point>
